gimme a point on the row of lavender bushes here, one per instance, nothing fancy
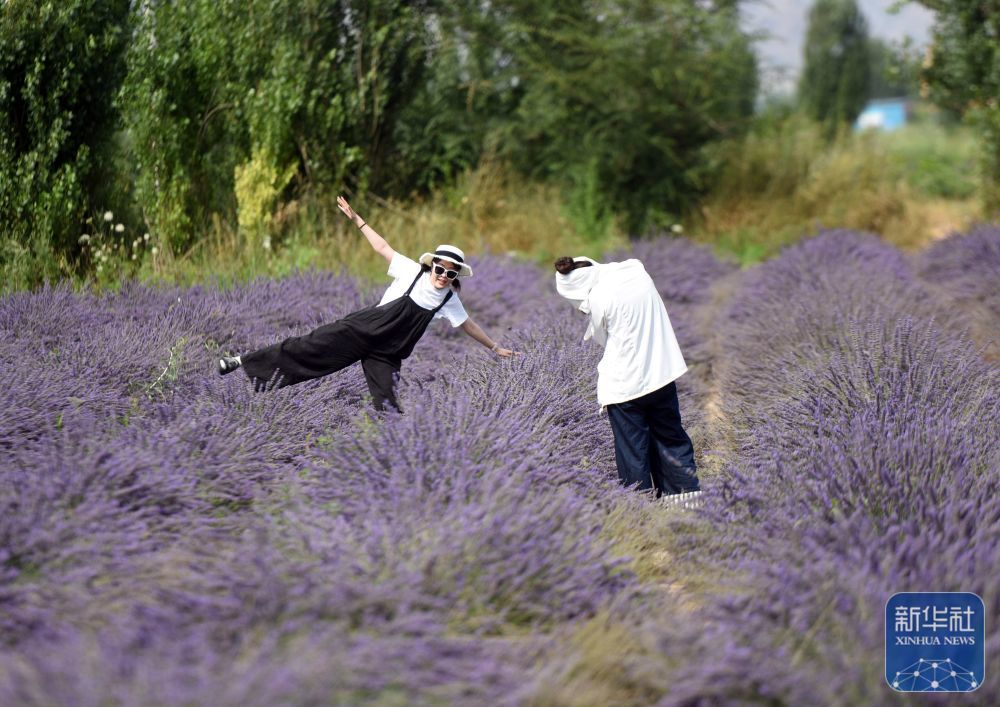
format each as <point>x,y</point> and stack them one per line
<point>168,537</point>
<point>861,456</point>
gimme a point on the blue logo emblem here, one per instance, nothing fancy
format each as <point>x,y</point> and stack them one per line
<point>935,642</point>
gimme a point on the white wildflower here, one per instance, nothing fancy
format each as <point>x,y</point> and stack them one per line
<point>145,237</point>
<point>120,228</point>
<point>154,250</point>
<point>108,216</point>
<point>84,238</point>
<point>677,228</point>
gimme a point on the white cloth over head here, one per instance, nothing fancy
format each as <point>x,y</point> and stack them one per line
<point>627,317</point>
<point>577,284</point>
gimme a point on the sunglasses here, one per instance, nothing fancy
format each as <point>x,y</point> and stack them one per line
<point>442,270</point>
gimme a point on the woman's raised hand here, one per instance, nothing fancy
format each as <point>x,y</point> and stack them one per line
<point>346,208</point>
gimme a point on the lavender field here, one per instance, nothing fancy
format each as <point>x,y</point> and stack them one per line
<point>167,537</point>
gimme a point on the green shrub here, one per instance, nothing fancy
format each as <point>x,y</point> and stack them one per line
<point>935,161</point>
<point>630,94</point>
<point>962,76</point>
<point>834,83</point>
<point>784,180</point>
<point>61,64</point>
<point>213,85</point>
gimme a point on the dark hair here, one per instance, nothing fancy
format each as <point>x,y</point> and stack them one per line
<point>455,284</point>
<point>565,265</point>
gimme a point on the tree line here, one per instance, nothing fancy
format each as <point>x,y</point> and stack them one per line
<point>172,114</point>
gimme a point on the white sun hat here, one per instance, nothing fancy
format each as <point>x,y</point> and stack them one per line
<point>449,253</point>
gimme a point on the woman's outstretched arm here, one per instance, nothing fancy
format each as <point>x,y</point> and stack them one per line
<point>477,333</point>
<point>377,242</point>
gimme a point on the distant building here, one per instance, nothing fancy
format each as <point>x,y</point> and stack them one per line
<point>884,114</point>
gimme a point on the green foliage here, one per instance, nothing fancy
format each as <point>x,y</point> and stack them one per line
<point>311,85</point>
<point>227,118</point>
<point>963,76</point>
<point>936,162</point>
<point>174,103</point>
<point>833,87</point>
<point>111,252</point>
<point>586,205</point>
<point>401,97</point>
<point>894,69</point>
<point>772,160</point>
<point>258,184</point>
<point>443,131</point>
<point>785,179</point>
<point>60,66</point>
<point>633,88</point>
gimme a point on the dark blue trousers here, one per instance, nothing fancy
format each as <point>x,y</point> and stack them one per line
<point>651,447</point>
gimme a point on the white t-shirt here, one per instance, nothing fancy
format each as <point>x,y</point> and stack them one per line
<point>629,319</point>
<point>402,270</point>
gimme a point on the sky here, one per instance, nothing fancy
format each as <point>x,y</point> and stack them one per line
<point>785,22</point>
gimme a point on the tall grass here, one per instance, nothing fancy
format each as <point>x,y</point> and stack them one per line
<point>781,183</point>
<point>784,181</point>
<point>488,210</point>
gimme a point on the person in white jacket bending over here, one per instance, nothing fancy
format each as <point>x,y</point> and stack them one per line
<point>635,378</point>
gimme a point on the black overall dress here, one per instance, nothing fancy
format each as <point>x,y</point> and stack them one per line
<point>380,336</point>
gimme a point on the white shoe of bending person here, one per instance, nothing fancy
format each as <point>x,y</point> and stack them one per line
<point>685,499</point>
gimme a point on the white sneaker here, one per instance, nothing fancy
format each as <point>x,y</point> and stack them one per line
<point>687,499</point>
<point>228,364</point>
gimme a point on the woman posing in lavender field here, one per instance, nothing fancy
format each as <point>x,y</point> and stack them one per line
<point>635,378</point>
<point>381,336</point>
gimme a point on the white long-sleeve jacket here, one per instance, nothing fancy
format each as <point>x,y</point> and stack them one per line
<point>628,318</point>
